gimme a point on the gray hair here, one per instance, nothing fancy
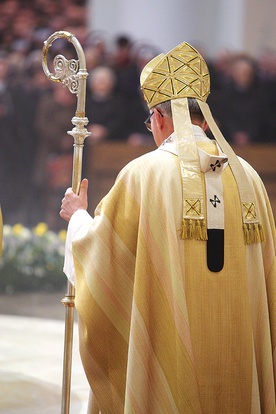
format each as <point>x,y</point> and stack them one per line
<point>195,112</point>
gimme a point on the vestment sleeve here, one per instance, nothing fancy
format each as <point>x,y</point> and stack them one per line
<point>80,219</point>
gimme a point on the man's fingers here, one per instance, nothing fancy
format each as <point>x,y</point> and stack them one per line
<point>73,202</point>
<point>83,188</point>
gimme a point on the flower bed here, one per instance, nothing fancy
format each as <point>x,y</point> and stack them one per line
<point>32,259</point>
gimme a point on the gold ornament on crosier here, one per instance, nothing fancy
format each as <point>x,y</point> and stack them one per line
<point>181,73</point>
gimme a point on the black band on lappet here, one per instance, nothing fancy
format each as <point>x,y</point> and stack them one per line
<point>215,249</point>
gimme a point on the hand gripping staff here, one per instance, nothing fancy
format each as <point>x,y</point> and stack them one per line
<point>72,73</point>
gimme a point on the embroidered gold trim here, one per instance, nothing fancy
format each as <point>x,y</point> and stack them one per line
<point>249,212</point>
<point>192,207</point>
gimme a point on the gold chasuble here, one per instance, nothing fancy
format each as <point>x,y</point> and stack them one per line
<point>159,332</point>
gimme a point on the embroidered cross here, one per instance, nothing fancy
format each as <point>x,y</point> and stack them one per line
<point>193,207</point>
<point>216,165</point>
<point>215,201</point>
<point>249,211</point>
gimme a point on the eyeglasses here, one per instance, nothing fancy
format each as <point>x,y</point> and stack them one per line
<point>147,121</point>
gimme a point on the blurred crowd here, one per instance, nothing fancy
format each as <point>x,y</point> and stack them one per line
<point>35,114</point>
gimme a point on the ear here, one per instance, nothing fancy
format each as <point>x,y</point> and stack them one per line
<point>158,119</point>
<point>204,125</point>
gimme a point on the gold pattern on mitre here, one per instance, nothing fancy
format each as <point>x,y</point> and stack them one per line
<point>181,73</point>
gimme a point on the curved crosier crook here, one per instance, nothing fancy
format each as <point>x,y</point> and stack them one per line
<point>72,73</point>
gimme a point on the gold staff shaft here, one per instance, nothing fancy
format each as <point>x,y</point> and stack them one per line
<point>72,73</point>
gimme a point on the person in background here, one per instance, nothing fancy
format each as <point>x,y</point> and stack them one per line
<point>121,60</point>
<point>1,232</point>
<point>105,107</point>
<point>137,107</point>
<point>266,69</point>
<point>53,161</point>
<point>243,120</point>
<point>15,151</point>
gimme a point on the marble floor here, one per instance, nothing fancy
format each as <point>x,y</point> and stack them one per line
<point>31,358</point>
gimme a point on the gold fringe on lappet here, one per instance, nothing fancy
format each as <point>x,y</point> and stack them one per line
<point>193,229</point>
<point>253,233</point>
<point>197,230</point>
